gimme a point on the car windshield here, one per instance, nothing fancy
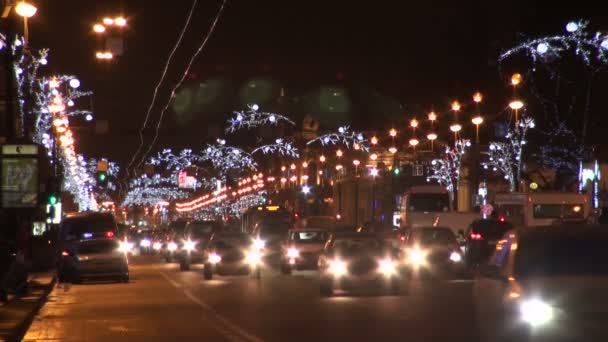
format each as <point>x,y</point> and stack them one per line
<point>76,227</point>
<point>273,230</point>
<point>432,236</point>
<point>311,236</point>
<point>542,256</point>
<point>357,246</point>
<point>420,202</point>
<point>236,241</point>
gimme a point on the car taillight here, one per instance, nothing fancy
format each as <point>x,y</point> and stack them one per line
<point>110,234</point>
<point>65,253</point>
<point>475,236</point>
<point>402,238</point>
<point>502,219</point>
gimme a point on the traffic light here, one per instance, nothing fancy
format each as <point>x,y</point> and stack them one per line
<point>102,178</point>
<point>396,171</point>
<point>52,200</point>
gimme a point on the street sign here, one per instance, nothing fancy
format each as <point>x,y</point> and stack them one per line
<point>20,150</point>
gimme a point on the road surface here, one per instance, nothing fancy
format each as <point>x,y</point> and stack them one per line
<point>161,304</point>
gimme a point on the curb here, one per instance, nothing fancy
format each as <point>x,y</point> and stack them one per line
<point>16,334</point>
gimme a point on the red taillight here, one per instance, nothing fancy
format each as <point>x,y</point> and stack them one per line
<point>296,215</point>
<point>475,236</point>
<point>110,234</point>
<point>502,219</point>
<point>65,253</point>
<point>402,238</point>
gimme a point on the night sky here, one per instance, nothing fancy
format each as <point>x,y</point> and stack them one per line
<point>392,59</point>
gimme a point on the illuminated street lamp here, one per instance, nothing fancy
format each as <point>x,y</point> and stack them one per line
<point>108,21</point>
<point>414,142</point>
<point>392,149</point>
<point>477,97</point>
<point>455,128</point>
<point>516,105</point>
<point>516,79</point>
<point>322,159</point>
<point>373,156</point>
<point>455,106</point>
<point>478,120</point>
<point>374,140</point>
<point>120,21</point>
<point>414,123</point>
<point>392,132</point>
<point>432,137</point>
<point>99,28</point>
<point>339,153</point>
<point>26,11</point>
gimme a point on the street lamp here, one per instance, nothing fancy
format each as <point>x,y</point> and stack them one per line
<point>455,106</point>
<point>392,149</point>
<point>477,97</point>
<point>374,140</point>
<point>478,120</point>
<point>373,156</point>
<point>414,142</point>
<point>108,21</point>
<point>432,137</point>
<point>516,79</point>
<point>322,159</point>
<point>99,28</point>
<point>120,21</point>
<point>25,10</point>
<point>455,128</point>
<point>516,105</point>
<point>392,132</point>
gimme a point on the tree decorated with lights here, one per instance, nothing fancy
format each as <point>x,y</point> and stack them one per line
<point>145,190</point>
<point>446,170</point>
<point>505,157</point>
<point>563,70</point>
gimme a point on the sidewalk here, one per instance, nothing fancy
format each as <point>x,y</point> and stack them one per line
<point>17,314</point>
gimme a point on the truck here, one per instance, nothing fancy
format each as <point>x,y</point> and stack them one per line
<point>430,205</point>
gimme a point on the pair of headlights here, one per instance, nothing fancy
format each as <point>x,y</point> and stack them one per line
<point>189,246</point>
<point>339,268</point>
<point>253,257</point>
<point>418,257</point>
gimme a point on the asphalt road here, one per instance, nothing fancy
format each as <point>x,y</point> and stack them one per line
<point>163,304</point>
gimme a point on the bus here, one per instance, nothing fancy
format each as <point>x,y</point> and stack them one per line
<point>542,208</point>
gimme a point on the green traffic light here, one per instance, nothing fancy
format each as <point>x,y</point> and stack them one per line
<point>396,172</point>
<point>102,177</point>
<point>52,200</point>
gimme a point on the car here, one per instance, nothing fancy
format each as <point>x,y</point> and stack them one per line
<point>481,238</point>
<point>547,283</point>
<point>230,253</point>
<point>269,235</point>
<point>88,248</point>
<point>324,222</point>
<point>433,251</point>
<point>195,239</point>
<point>359,260</point>
<point>302,248</point>
<point>174,234</point>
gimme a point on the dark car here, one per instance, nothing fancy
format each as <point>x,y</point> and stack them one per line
<point>174,234</point>
<point>544,284</point>
<point>481,238</point>
<point>88,248</point>
<point>195,239</point>
<point>359,260</point>
<point>230,253</point>
<point>269,235</point>
<point>433,250</point>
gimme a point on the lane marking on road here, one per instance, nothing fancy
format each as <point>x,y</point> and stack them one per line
<point>241,333</point>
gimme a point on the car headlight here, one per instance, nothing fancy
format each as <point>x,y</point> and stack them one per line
<point>259,243</point>
<point>387,267</point>
<point>416,257</point>
<point>253,257</point>
<point>189,245</point>
<point>157,246</point>
<point>293,253</point>
<point>214,258</point>
<point>145,243</point>
<point>456,257</point>
<point>536,312</point>
<point>125,246</point>
<point>337,268</point>
<point>172,246</point>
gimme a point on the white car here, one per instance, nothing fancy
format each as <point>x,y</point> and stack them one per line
<point>545,283</point>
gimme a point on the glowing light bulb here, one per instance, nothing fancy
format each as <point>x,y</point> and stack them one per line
<point>455,106</point>
<point>477,97</point>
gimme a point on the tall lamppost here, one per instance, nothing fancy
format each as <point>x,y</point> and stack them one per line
<point>26,11</point>
<point>478,120</point>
